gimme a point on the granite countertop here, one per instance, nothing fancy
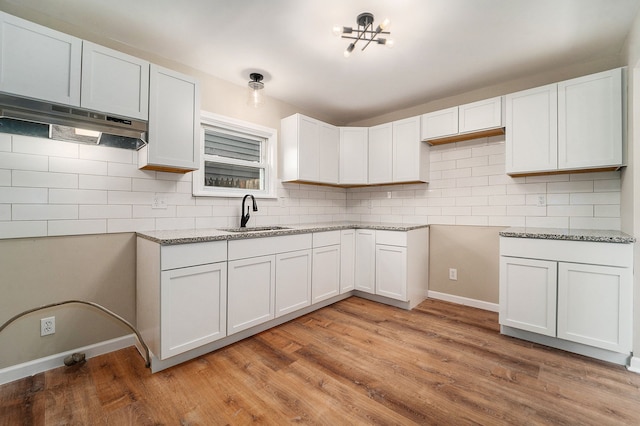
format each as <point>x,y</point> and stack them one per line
<point>601,236</point>
<point>185,236</point>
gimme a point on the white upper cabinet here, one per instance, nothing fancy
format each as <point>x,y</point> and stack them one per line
<point>381,153</point>
<point>309,150</point>
<point>590,121</point>
<point>114,82</point>
<point>38,62</point>
<point>353,155</point>
<point>174,123</point>
<point>477,119</point>
<point>573,125</point>
<point>532,137</point>
<point>481,115</point>
<point>441,123</point>
<point>410,155</point>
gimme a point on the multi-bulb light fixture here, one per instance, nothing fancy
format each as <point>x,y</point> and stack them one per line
<point>365,32</point>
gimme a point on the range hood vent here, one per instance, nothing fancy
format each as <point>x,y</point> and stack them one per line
<point>16,108</point>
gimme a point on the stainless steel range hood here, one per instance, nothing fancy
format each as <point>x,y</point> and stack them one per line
<point>30,110</point>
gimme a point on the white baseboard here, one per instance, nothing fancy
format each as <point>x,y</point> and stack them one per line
<point>480,304</point>
<point>634,365</point>
<point>26,369</point>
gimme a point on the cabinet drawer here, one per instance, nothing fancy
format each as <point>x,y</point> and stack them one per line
<point>329,238</point>
<point>391,238</point>
<point>183,255</point>
<point>253,247</point>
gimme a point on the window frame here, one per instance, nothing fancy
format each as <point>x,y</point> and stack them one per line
<point>270,136</point>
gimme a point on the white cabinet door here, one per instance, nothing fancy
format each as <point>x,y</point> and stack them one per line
<point>38,62</point>
<point>532,130</point>
<point>325,281</point>
<point>328,153</point>
<point>174,122</point>
<point>353,155</point>
<point>293,281</point>
<point>391,272</point>
<point>590,121</point>
<point>365,268</point>
<point>381,153</point>
<point>595,305</point>
<point>528,294</point>
<point>251,292</point>
<point>308,140</point>
<point>438,124</point>
<point>407,157</point>
<point>481,115</point>
<point>113,82</point>
<point>193,305</point>
<point>347,260</point>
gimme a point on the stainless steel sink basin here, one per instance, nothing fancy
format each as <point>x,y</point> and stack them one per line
<point>253,229</point>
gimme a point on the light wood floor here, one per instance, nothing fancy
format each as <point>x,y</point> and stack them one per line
<point>355,362</point>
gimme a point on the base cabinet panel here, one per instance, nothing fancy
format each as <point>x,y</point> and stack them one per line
<point>293,281</point>
<point>595,305</point>
<point>365,265</point>
<point>391,272</point>
<point>528,294</point>
<point>326,273</point>
<point>347,260</point>
<point>193,307</point>
<point>251,292</point>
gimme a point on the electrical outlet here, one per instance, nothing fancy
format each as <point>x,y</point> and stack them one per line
<point>453,274</point>
<point>542,201</point>
<point>159,202</point>
<point>47,326</point>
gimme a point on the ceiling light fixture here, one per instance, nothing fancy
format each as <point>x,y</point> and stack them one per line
<point>364,32</point>
<point>256,90</point>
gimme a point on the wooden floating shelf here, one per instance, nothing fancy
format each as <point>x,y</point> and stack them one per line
<point>466,136</point>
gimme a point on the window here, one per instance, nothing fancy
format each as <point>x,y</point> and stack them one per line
<point>238,158</point>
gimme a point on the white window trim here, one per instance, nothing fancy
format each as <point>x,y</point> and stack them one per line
<point>271,137</point>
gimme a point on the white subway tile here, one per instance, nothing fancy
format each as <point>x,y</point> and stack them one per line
<point>77,196</point>
<point>105,182</point>
<point>77,227</point>
<point>527,188</point>
<point>607,210</point>
<point>457,154</point>
<point>572,186</point>
<point>457,192</point>
<point>428,211</point>
<point>5,142</point>
<point>606,185</point>
<point>23,229</point>
<point>472,220</point>
<point>5,177</point>
<point>595,198</point>
<point>557,199</point>
<point>456,211</point>
<point>489,190</point>
<point>596,176</point>
<point>442,220</point>
<point>472,181</point>
<point>443,183</point>
<point>486,150</point>
<point>44,179</point>
<point>571,211</point>
<point>526,211</point>
<point>595,223</point>
<point>126,197</point>
<point>43,212</point>
<point>5,212</point>
<point>472,201</point>
<point>443,165</point>
<point>496,169</point>
<point>175,223</point>
<point>547,178</point>
<point>107,153</point>
<point>212,222</point>
<point>505,180</point>
<point>497,159</point>
<point>497,200</point>
<point>507,221</point>
<point>403,211</point>
<point>178,177</point>
<point>129,170</point>
<point>10,160</point>
<point>142,211</point>
<point>23,195</point>
<point>547,222</point>
<point>74,165</point>
<point>456,173</point>
<point>194,211</point>
<point>472,162</point>
<point>154,185</point>
<point>435,175</point>
<point>130,225</point>
<point>104,212</point>
<point>489,211</point>
<point>40,146</point>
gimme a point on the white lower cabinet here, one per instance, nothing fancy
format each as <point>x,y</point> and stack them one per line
<point>347,260</point>
<point>251,292</point>
<point>365,264</point>
<point>574,291</point>
<point>181,295</point>
<point>391,271</point>
<point>325,281</point>
<point>293,281</point>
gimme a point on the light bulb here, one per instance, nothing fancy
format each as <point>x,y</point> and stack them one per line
<point>389,43</point>
<point>337,30</point>
<point>385,24</point>
<point>349,49</point>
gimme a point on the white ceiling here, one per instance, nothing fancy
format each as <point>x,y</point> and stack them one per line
<point>442,47</point>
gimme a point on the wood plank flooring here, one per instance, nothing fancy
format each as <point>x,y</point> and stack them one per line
<point>354,362</point>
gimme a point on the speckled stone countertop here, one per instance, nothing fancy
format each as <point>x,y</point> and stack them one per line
<point>185,236</point>
<point>569,234</point>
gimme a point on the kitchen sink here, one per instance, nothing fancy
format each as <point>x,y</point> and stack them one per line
<point>253,229</point>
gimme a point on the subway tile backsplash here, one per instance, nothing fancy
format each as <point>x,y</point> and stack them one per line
<point>52,188</point>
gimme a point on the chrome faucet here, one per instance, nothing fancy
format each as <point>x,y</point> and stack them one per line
<point>245,217</point>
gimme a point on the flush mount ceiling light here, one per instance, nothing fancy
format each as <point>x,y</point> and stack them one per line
<point>364,32</point>
<point>256,90</point>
